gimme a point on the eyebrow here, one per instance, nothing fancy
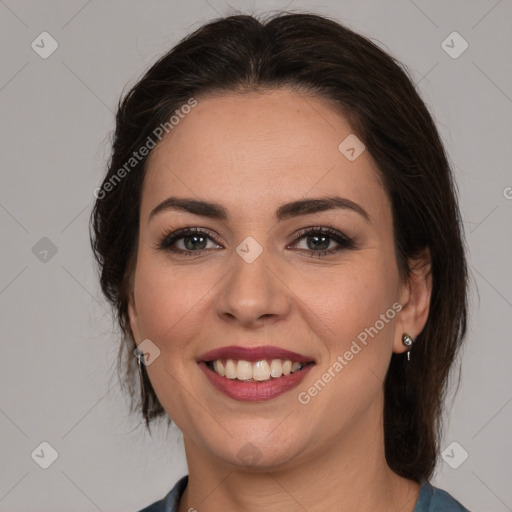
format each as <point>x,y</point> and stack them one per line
<point>286,211</point>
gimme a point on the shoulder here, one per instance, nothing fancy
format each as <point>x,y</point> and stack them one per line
<point>170,502</point>
<point>432,499</point>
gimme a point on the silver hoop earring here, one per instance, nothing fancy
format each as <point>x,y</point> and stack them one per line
<point>407,341</point>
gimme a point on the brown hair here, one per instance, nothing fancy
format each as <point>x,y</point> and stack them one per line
<point>318,55</point>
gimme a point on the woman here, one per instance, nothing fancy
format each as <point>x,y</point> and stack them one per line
<point>279,235</point>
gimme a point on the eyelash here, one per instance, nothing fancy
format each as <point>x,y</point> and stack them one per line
<point>343,241</point>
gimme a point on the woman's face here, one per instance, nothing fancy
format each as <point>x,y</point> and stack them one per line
<point>250,279</point>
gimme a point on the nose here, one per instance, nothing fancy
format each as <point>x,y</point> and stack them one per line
<point>254,294</point>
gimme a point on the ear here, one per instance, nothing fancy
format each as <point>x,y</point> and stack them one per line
<point>415,296</point>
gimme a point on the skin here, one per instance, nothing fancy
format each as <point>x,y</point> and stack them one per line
<point>253,152</point>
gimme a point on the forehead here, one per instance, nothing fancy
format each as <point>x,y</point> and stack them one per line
<point>261,148</point>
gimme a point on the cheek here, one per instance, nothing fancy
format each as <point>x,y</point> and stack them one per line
<point>358,341</point>
<point>168,300</point>
<point>351,299</point>
<point>358,309</point>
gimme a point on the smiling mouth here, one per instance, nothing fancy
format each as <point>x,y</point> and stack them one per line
<point>257,371</point>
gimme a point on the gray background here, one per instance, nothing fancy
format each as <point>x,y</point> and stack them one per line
<point>57,370</point>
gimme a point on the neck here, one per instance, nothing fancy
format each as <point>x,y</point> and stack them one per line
<point>349,473</point>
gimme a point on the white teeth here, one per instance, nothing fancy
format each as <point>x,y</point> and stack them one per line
<point>295,367</point>
<point>244,370</point>
<point>230,369</point>
<point>219,368</point>
<point>259,370</point>
<point>276,368</point>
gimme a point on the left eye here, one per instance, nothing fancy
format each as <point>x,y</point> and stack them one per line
<point>318,240</point>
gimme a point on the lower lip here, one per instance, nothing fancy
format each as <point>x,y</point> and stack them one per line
<point>255,391</point>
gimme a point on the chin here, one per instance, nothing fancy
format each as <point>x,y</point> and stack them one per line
<point>257,453</point>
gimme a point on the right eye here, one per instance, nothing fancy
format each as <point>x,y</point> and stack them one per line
<point>193,241</point>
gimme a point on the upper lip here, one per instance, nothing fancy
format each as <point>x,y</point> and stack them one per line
<point>254,354</point>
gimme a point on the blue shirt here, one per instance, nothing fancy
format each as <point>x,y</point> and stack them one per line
<point>431,499</point>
